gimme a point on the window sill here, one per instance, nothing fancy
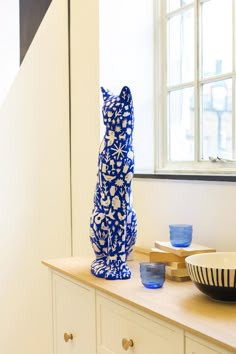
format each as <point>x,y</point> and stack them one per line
<point>187,176</point>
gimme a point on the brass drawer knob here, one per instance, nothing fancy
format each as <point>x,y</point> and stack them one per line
<point>68,336</point>
<point>127,343</point>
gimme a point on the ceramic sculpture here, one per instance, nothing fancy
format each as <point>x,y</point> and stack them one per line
<point>113,224</point>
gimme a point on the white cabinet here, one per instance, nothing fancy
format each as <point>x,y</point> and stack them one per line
<point>195,345</point>
<point>89,321</point>
<point>121,328</point>
<point>74,328</point>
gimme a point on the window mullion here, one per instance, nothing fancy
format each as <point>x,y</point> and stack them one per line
<point>165,141</point>
<point>219,77</point>
<point>197,115</point>
<point>179,10</point>
<point>156,88</point>
<point>233,118</point>
<point>234,35</point>
<point>180,86</point>
<point>160,84</point>
<point>233,80</point>
<point>203,1</point>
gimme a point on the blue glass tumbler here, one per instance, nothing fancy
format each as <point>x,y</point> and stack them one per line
<point>152,274</point>
<point>181,235</point>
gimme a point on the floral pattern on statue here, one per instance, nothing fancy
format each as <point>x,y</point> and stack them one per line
<point>113,224</point>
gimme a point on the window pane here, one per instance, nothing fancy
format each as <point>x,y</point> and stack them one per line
<point>217,119</point>
<point>181,48</point>
<point>181,125</point>
<point>176,4</point>
<point>216,37</point>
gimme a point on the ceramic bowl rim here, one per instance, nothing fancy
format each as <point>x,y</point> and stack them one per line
<point>198,260</point>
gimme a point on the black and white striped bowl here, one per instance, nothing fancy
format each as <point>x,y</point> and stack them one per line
<point>214,274</point>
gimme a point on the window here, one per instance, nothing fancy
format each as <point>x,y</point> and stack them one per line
<point>179,59</point>
<point>196,86</point>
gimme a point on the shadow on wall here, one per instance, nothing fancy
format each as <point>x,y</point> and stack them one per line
<point>31,15</point>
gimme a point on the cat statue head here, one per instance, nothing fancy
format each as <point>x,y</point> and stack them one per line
<point>118,111</point>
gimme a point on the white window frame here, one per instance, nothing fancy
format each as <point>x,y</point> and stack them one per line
<point>162,166</point>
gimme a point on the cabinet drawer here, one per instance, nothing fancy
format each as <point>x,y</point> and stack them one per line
<point>117,322</point>
<point>194,345</point>
<point>74,326</point>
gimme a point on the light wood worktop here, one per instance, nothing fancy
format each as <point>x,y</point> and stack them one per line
<point>181,304</point>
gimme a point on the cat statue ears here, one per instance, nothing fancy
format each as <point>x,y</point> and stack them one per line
<point>125,94</point>
<point>106,94</point>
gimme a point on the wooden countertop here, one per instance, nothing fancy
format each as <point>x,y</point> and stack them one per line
<point>181,304</point>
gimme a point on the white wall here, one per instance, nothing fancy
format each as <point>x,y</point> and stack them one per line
<point>209,206</point>
<point>85,117</point>
<point>34,186</point>
<point>127,58</point>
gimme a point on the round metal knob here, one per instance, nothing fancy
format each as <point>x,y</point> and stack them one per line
<point>127,343</point>
<point>68,336</point>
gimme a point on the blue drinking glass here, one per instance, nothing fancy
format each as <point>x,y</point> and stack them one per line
<point>152,274</point>
<point>181,235</point>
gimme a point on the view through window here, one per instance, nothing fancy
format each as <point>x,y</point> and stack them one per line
<point>198,85</point>
<point>179,59</point>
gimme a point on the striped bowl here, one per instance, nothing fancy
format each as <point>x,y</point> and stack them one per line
<point>214,274</point>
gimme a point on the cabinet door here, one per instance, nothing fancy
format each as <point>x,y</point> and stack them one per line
<point>198,346</point>
<point>74,328</point>
<point>139,332</point>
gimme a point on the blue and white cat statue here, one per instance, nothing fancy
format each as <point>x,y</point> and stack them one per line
<point>113,224</point>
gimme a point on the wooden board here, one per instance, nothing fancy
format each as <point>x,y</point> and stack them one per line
<point>179,279</point>
<point>158,255</point>
<point>182,252</point>
<point>177,265</point>
<point>182,272</point>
